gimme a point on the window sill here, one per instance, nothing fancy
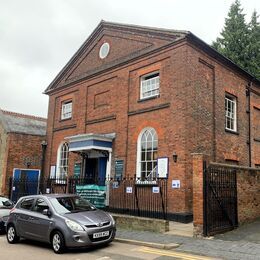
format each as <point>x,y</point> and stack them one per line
<point>231,132</point>
<point>146,183</point>
<point>148,98</point>
<point>65,119</point>
<point>59,181</point>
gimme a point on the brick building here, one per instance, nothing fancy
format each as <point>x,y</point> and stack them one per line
<point>132,94</point>
<point>20,145</point>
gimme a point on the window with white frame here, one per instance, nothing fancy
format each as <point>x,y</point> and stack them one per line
<point>66,110</point>
<point>150,85</point>
<point>231,113</point>
<point>62,161</point>
<point>147,154</point>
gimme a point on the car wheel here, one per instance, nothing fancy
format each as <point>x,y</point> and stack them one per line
<point>11,235</point>
<point>58,242</point>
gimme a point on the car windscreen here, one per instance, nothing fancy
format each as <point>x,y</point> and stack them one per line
<point>66,205</point>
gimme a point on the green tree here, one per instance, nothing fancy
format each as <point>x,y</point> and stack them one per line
<point>234,39</point>
<point>253,50</point>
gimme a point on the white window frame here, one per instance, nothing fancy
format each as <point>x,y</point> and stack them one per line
<point>66,110</point>
<point>230,113</point>
<point>152,175</point>
<point>62,161</point>
<point>150,85</point>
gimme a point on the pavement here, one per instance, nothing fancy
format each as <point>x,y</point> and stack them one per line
<point>242,243</point>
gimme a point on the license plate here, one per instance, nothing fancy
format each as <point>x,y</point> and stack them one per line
<point>101,234</point>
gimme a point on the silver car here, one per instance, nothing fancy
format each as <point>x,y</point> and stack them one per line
<point>60,219</point>
<point>5,206</point>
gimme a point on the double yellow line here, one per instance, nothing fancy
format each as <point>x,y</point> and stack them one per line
<point>173,254</point>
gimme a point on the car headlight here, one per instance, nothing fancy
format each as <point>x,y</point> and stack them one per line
<point>74,226</point>
<point>112,220</point>
<point>4,218</point>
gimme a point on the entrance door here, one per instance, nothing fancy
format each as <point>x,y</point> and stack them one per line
<point>25,182</point>
<point>91,173</point>
<point>102,169</point>
<point>96,170</point>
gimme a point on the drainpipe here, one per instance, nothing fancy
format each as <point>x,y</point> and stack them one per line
<point>44,146</point>
<point>248,94</point>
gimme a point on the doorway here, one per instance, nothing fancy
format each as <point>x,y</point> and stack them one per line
<point>25,182</point>
<point>95,171</point>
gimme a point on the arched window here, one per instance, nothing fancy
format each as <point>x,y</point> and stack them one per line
<point>147,149</point>
<point>62,161</point>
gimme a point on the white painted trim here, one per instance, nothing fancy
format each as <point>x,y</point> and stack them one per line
<point>233,100</point>
<point>108,175</point>
<point>25,169</point>
<point>109,165</point>
<point>86,148</point>
<point>57,171</point>
<point>91,136</point>
<point>138,154</point>
<point>65,112</point>
<point>145,80</point>
<point>58,161</point>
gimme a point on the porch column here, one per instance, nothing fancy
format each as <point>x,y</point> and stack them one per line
<point>108,175</point>
<point>108,170</point>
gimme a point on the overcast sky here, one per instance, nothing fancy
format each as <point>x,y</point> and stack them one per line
<point>38,37</point>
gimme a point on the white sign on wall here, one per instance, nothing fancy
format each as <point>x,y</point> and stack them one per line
<point>53,172</point>
<point>162,167</point>
<point>156,189</point>
<point>176,184</point>
<point>129,190</point>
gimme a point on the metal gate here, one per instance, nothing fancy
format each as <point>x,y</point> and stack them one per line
<point>220,199</point>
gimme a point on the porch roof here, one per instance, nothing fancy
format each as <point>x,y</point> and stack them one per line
<point>84,142</point>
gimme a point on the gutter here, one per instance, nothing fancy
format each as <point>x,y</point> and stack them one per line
<point>248,94</point>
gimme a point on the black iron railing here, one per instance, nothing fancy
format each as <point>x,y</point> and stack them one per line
<point>146,198</point>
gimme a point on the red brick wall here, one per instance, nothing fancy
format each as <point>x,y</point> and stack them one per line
<point>183,114</point>
<point>20,148</point>
<point>248,195</point>
<point>3,146</point>
<point>198,198</point>
<point>207,74</point>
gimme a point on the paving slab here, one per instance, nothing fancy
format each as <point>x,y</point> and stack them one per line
<point>180,229</point>
<point>216,248</point>
<point>248,232</point>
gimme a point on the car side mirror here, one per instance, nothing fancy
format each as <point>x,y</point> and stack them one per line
<point>46,212</point>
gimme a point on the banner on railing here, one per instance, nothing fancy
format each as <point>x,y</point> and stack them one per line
<point>93,193</point>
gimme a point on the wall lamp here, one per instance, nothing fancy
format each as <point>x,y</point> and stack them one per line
<point>175,157</point>
<point>43,144</point>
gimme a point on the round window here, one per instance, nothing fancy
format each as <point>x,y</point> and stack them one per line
<point>104,50</point>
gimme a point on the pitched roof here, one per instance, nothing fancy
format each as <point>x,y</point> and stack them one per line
<point>172,37</point>
<point>24,124</point>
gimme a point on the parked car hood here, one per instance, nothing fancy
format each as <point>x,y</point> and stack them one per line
<point>89,217</point>
<point>4,212</point>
